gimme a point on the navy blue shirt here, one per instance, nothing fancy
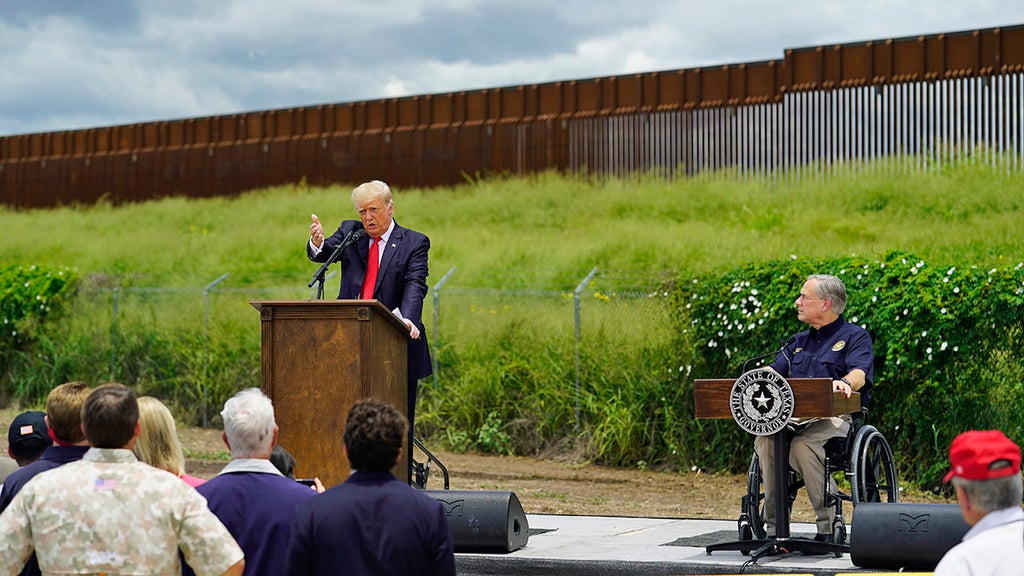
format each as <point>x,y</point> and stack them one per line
<point>831,351</point>
<point>371,524</point>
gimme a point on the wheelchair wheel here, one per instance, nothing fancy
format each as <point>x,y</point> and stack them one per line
<point>753,502</point>
<point>872,468</point>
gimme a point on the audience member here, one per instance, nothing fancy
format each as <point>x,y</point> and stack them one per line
<point>251,497</point>
<point>373,523</point>
<point>27,439</point>
<point>986,475</point>
<point>158,443</point>
<point>283,460</point>
<point>64,427</point>
<point>118,515</point>
<point>64,420</point>
<point>7,465</point>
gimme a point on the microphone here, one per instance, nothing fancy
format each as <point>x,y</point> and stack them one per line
<point>782,350</point>
<point>352,237</point>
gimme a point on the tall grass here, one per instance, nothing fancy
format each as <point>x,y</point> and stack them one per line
<point>542,232</point>
<point>510,362</point>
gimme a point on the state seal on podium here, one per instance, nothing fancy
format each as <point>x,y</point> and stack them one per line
<point>761,401</point>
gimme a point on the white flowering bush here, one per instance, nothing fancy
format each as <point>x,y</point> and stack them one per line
<point>29,296</point>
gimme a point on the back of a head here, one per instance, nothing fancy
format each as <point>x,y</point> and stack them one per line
<point>994,494</point>
<point>109,416</point>
<point>27,437</point>
<point>158,443</point>
<point>64,411</point>
<point>283,460</point>
<point>249,424</point>
<point>986,464</point>
<point>374,431</point>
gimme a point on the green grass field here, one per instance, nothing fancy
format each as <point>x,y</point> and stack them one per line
<point>512,377</point>
<point>544,232</point>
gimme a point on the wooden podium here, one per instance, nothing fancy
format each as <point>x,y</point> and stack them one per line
<point>812,398</point>
<point>319,358</point>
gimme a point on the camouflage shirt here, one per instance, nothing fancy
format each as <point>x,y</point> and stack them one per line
<point>111,514</point>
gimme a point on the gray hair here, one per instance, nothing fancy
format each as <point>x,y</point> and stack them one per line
<point>374,189</point>
<point>832,289</point>
<point>249,424</point>
<point>994,494</point>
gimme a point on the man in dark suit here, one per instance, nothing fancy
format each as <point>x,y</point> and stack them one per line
<point>399,274</point>
<point>373,523</point>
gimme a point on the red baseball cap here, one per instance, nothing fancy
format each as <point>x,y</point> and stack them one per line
<point>983,455</point>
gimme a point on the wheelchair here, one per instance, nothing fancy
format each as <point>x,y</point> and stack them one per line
<point>865,461</point>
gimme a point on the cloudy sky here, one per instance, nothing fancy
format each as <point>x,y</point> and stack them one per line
<point>80,63</point>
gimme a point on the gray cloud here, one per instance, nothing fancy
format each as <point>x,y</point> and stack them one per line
<point>71,65</point>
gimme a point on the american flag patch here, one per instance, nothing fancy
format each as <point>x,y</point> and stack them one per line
<point>26,430</point>
<point>105,484</point>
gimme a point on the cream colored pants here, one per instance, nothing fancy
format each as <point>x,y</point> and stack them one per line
<point>807,457</point>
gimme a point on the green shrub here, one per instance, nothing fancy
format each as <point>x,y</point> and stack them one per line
<point>29,296</point>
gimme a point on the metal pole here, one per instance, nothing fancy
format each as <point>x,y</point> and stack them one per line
<point>437,304</point>
<point>576,301</point>
<point>206,339</point>
<point>113,335</point>
<point>313,292</point>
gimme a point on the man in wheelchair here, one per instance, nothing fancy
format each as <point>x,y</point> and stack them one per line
<point>830,348</point>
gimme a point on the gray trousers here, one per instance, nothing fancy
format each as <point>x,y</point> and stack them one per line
<point>807,457</point>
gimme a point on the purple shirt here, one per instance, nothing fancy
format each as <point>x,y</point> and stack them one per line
<point>257,504</point>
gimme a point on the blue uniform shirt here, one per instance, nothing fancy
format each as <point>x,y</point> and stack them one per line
<point>831,351</point>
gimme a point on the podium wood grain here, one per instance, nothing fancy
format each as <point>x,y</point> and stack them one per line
<point>812,398</point>
<point>318,358</point>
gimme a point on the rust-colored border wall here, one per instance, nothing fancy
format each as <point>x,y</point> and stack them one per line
<point>813,104</point>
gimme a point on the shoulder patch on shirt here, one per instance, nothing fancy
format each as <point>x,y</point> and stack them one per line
<point>839,346</point>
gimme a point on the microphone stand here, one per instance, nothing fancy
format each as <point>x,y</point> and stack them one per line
<point>318,277</point>
<point>743,370</point>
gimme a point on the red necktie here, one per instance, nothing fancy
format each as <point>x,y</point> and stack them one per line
<point>371,272</point>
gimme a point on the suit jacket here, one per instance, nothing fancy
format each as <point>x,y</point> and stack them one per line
<point>373,523</point>
<point>401,280</point>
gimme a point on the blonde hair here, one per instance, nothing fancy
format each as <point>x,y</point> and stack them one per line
<point>158,443</point>
<point>64,411</point>
<point>372,190</point>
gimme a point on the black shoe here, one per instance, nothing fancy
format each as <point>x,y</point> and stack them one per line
<point>823,538</point>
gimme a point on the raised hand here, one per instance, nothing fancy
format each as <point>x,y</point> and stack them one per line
<point>316,231</point>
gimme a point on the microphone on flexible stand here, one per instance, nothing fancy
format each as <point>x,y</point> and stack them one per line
<point>353,237</point>
<point>789,363</point>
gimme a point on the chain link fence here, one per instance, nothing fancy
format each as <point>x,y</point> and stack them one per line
<point>598,312</point>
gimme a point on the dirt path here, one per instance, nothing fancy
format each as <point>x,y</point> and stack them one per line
<point>549,487</point>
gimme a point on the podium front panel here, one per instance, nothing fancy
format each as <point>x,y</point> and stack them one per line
<point>319,358</point>
<point>814,398</point>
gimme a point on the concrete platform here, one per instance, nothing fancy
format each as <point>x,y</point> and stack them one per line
<point>602,545</point>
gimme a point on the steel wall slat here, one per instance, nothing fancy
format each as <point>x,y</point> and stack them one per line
<point>909,99</point>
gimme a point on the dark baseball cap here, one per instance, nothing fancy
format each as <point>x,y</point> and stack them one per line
<point>28,433</point>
